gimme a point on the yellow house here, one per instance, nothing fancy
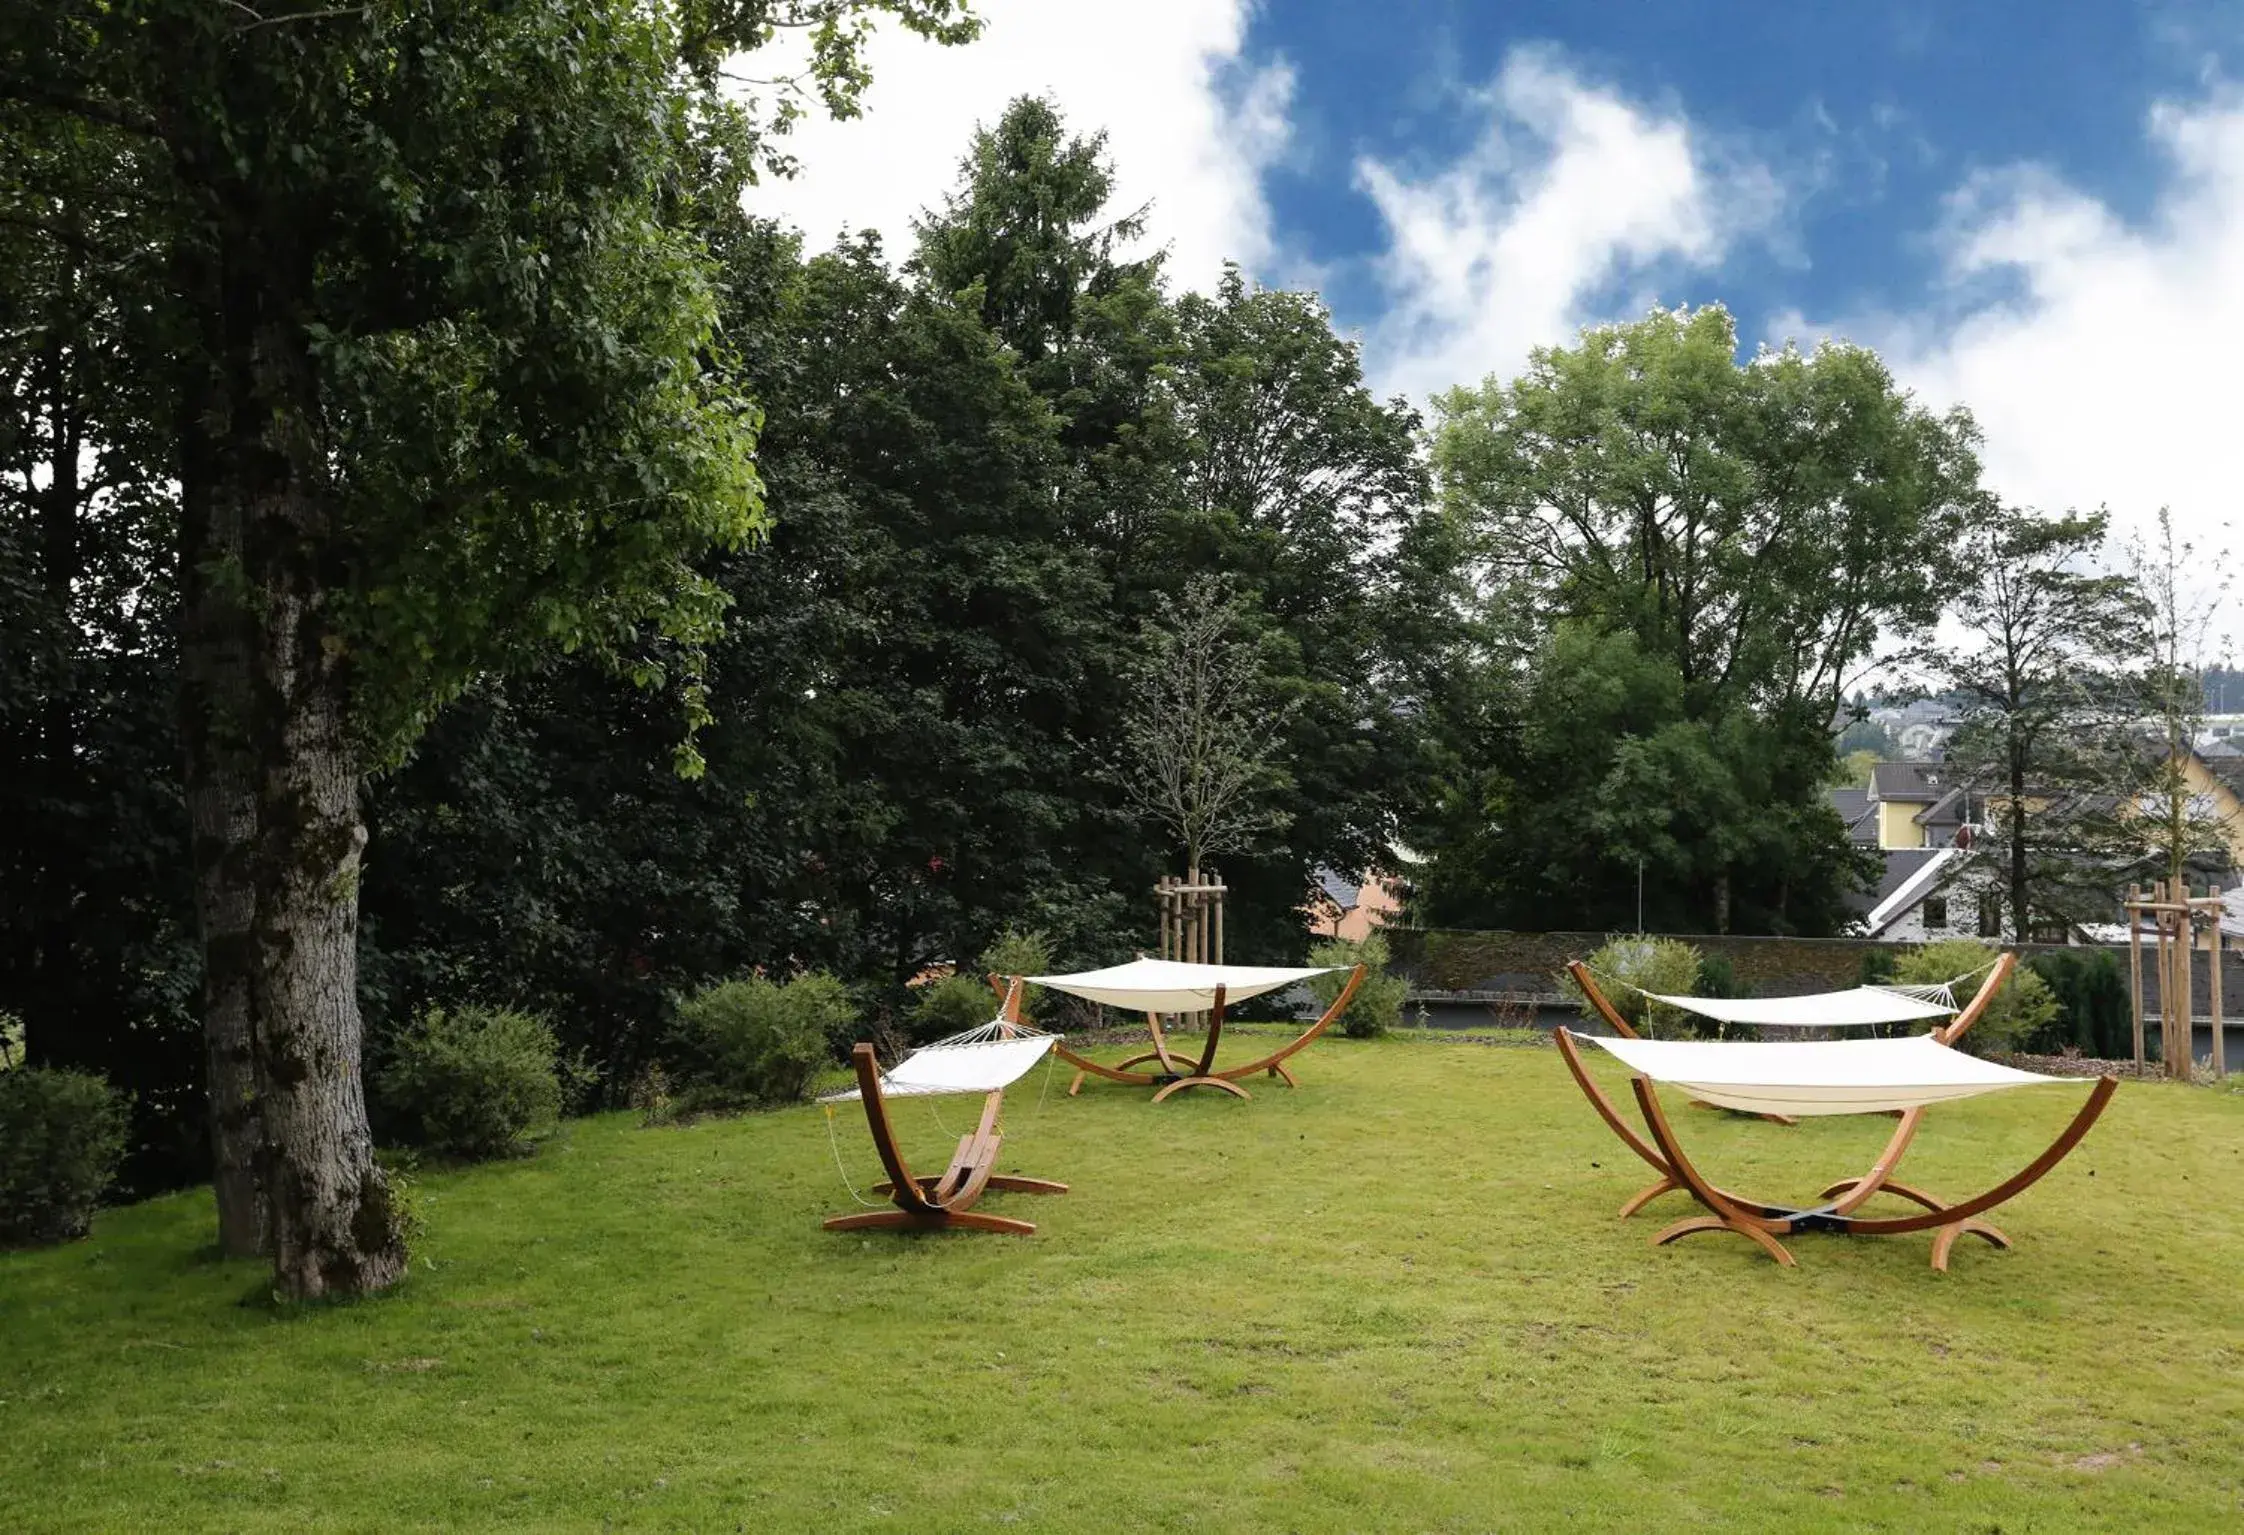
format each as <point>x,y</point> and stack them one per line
<point>1915,804</point>
<point>2216,778</point>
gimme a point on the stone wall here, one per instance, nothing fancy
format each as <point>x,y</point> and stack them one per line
<point>1524,964</point>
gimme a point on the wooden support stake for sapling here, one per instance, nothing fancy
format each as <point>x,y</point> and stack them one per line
<point>2135,968</point>
<point>2213,988</point>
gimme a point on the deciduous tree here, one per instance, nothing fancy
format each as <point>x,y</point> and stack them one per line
<point>432,334</point>
<point>1750,530</point>
<point>2047,742</point>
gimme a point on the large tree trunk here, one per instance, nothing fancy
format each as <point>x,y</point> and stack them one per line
<point>333,1227</point>
<point>273,784</point>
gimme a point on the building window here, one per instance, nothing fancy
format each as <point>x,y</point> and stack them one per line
<point>1936,912</point>
<point>1990,915</point>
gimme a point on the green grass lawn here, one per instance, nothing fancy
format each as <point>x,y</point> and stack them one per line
<point>1396,1299</point>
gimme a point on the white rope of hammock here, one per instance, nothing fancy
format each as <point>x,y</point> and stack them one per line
<point>1939,993</point>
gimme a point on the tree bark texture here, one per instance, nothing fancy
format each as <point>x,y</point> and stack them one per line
<point>273,788</point>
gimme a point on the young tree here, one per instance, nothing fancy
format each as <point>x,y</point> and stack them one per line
<point>432,332</point>
<point>2045,740</point>
<point>2178,820</point>
<point>1310,495</point>
<point>1201,739</point>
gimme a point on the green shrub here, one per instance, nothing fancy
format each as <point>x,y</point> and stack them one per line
<point>759,1041</point>
<point>950,1006</point>
<point>2091,992</point>
<point>1021,951</point>
<point>470,1082</point>
<point>1626,968</point>
<point>1377,1005</point>
<point>11,1040</point>
<point>2021,1014</point>
<point>62,1134</point>
<point>1717,978</point>
<point>1877,967</point>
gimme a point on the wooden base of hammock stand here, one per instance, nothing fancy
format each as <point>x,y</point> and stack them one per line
<point>1763,1224</point>
<point>1669,1180</point>
<point>1172,1072</point>
<point>945,1201</point>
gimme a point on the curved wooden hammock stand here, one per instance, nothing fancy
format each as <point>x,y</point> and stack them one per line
<point>1173,1071</point>
<point>944,1202</point>
<point>1762,1223</point>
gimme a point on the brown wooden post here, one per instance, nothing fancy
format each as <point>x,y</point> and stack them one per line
<point>2165,969</point>
<point>2185,983</point>
<point>2177,972</point>
<point>2213,990</point>
<point>2155,958</point>
<point>2186,962</point>
<point>2135,967</point>
<point>1216,880</point>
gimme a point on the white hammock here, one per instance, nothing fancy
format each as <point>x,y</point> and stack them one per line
<point>1172,986</point>
<point>1844,1076</point>
<point>1859,1008</point>
<point>981,1060</point>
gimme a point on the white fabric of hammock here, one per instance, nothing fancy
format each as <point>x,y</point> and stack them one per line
<point>1173,986</point>
<point>981,1060</point>
<point>1839,1076</point>
<point>1859,1008</point>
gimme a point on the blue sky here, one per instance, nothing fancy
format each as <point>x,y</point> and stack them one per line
<point>2033,210</point>
<point>1871,115</point>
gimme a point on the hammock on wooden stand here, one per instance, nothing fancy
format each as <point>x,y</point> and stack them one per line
<point>986,1060</point>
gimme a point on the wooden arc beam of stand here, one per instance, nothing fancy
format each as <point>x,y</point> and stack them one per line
<point>1997,978</point>
<point>1881,1171</point>
<point>1596,999</point>
<point>1667,1182</point>
<point>946,1200</point>
<point>1274,1062</point>
<point>1201,1073</point>
<point>2010,1188</point>
<point>1726,1216</point>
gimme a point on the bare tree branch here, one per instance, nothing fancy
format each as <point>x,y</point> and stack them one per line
<point>1203,736</point>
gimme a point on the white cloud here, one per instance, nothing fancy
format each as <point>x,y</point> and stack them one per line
<point>2098,356</point>
<point>1192,124</point>
<point>1569,192</point>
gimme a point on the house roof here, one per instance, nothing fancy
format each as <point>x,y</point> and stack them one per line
<point>1910,875</point>
<point>1948,810</point>
<point>2227,766</point>
<point>1910,782</point>
<point>1901,862</point>
<point>1853,806</point>
<point>1341,892</point>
